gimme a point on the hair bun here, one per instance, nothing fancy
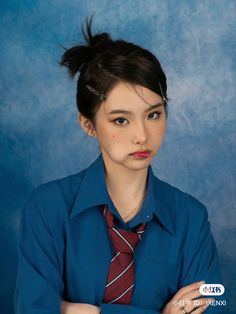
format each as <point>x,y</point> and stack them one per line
<point>103,39</point>
<point>76,57</point>
<point>100,39</point>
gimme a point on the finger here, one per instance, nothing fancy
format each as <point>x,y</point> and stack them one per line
<point>200,309</point>
<point>191,295</point>
<point>186,289</point>
<point>189,305</point>
<point>198,304</point>
<point>188,297</point>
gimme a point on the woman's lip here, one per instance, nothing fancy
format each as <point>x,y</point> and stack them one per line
<point>141,154</point>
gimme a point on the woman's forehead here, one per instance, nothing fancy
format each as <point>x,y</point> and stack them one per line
<point>127,96</point>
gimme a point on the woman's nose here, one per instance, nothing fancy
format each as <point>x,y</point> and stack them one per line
<point>140,134</point>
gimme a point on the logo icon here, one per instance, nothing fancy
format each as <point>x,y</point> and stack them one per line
<point>211,289</point>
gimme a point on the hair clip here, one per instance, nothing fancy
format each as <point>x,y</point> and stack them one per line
<point>100,95</point>
<point>81,66</point>
<point>162,95</point>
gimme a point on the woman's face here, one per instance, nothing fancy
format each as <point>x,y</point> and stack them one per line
<point>127,122</point>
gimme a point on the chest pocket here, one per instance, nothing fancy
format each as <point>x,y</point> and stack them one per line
<point>157,269</point>
<point>159,281</point>
<point>164,277</point>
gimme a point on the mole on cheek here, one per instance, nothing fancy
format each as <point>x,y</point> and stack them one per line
<point>113,136</point>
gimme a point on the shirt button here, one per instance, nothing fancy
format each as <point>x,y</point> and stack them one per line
<point>148,216</point>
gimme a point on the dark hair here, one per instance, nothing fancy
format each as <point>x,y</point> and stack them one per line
<point>103,62</point>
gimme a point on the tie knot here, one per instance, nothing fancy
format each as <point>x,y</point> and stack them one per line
<point>124,241</point>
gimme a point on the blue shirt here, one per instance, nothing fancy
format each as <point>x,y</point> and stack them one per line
<point>65,250</point>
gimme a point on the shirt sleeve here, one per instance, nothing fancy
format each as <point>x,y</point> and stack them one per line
<point>39,284</point>
<point>124,309</point>
<point>201,261</point>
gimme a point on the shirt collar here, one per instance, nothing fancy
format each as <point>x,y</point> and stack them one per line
<point>92,192</point>
<point>158,200</point>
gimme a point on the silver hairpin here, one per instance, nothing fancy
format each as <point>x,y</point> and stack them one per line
<point>97,93</point>
<point>80,68</point>
<point>162,95</point>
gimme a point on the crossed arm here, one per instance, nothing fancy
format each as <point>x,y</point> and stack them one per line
<point>39,285</point>
<point>186,295</point>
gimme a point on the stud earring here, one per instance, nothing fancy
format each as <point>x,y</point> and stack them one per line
<point>91,133</point>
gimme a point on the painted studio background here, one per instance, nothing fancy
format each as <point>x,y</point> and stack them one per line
<point>41,140</point>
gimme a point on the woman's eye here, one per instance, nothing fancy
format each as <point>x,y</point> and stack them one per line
<point>120,121</point>
<point>154,115</point>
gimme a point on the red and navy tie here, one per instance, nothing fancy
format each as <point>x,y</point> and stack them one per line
<point>120,279</point>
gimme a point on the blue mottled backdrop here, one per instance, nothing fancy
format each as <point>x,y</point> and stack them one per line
<point>41,139</point>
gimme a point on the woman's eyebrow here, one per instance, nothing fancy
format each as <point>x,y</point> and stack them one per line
<point>129,112</point>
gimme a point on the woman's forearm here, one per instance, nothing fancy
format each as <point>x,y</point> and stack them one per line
<point>78,308</point>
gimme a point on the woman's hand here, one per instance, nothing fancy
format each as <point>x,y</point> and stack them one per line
<point>78,308</point>
<point>183,302</point>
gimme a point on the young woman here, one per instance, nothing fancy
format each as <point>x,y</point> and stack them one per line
<point>114,238</point>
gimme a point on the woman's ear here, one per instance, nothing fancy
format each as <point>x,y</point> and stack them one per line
<point>86,125</point>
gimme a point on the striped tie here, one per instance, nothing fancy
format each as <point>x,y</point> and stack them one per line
<point>120,280</point>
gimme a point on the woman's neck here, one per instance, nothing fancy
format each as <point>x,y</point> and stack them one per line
<point>126,184</point>
<point>126,187</point>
